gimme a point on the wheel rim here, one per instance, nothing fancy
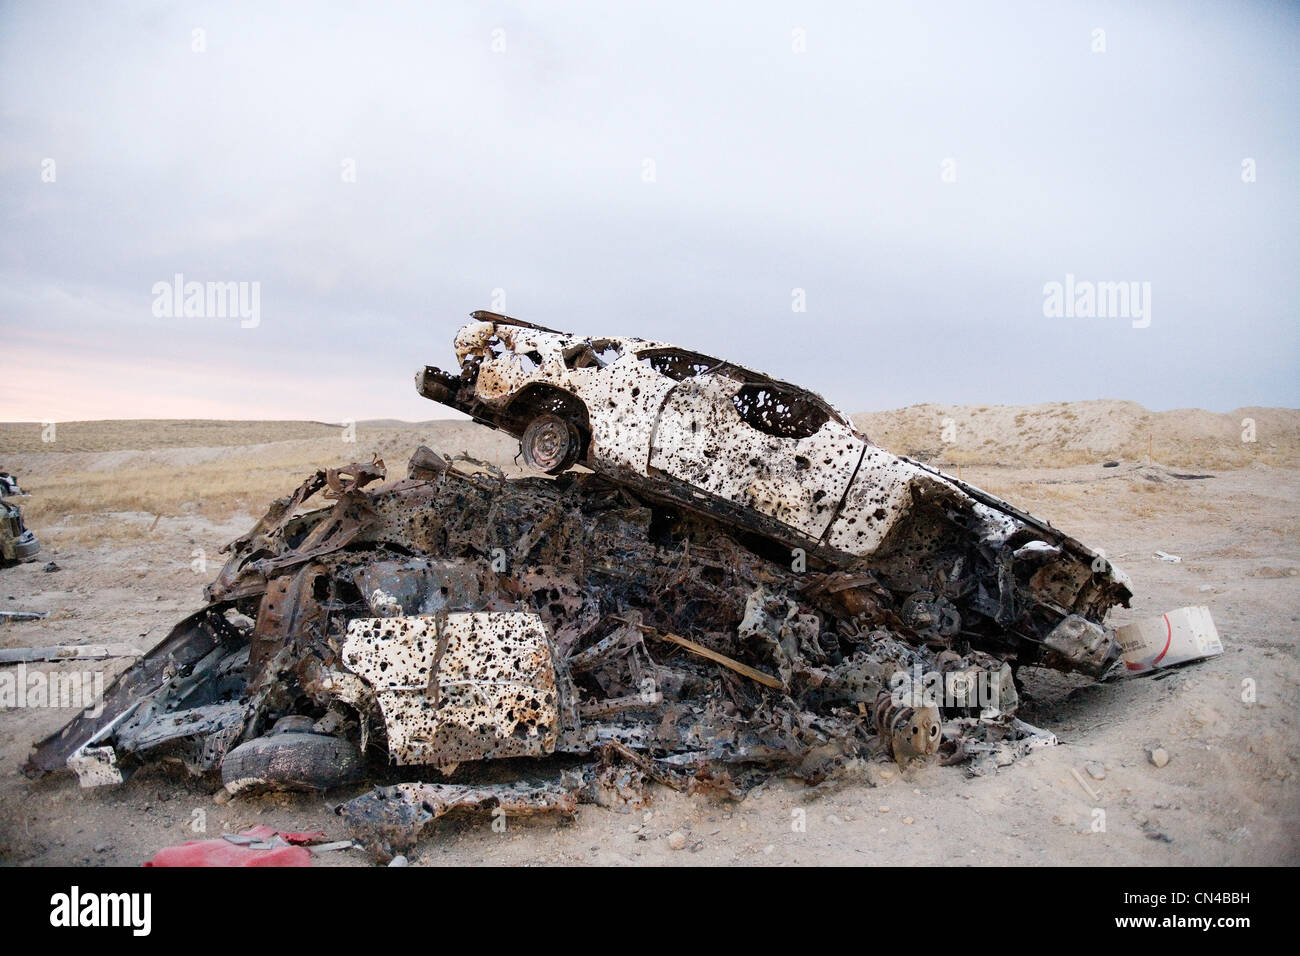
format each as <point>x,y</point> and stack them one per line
<point>547,443</point>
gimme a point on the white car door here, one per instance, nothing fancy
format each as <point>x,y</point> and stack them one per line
<point>770,447</point>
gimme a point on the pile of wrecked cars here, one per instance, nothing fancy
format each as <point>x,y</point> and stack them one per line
<point>736,582</point>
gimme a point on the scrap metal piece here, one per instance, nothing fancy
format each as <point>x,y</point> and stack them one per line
<point>204,732</point>
<point>426,464</point>
<point>95,766</point>
<point>460,686</point>
<point>930,615</point>
<point>1076,643</point>
<point>390,820</point>
<point>910,734</point>
<point>418,586</point>
<point>192,641</point>
<point>17,541</point>
<point>94,763</point>
<point>990,744</point>
<point>7,616</point>
<point>353,477</point>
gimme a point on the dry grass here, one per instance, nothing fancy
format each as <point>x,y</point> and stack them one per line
<point>85,507</point>
<point>216,488</point>
<point>76,497</point>
<point>20,437</point>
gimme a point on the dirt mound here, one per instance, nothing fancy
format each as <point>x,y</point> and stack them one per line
<point>1075,433</point>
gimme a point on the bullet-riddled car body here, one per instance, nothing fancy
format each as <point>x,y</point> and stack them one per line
<point>776,459</point>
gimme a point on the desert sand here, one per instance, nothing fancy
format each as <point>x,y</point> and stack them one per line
<point>134,515</point>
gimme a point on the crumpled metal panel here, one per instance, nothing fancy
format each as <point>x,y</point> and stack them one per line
<point>95,766</point>
<point>188,644</point>
<point>464,686</point>
<point>388,820</point>
<point>207,732</point>
<point>415,586</point>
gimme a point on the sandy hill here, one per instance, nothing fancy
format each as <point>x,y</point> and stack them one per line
<point>1073,433</point>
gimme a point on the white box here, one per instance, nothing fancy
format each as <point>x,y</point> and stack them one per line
<point>1182,635</point>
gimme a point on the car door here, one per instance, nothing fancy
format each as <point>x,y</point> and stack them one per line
<point>622,399</point>
<point>765,445</point>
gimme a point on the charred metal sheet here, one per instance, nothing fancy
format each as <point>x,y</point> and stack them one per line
<point>259,555</point>
<point>986,746</point>
<point>95,766</point>
<point>204,733</point>
<point>389,820</point>
<point>417,586</point>
<point>17,541</point>
<point>353,477</point>
<point>460,686</point>
<point>193,640</point>
<point>426,464</point>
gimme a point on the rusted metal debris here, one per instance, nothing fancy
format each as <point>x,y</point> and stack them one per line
<point>17,541</point>
<point>390,820</point>
<point>615,628</point>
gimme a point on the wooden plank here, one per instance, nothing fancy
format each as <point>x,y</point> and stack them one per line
<point>730,663</point>
<point>753,673</point>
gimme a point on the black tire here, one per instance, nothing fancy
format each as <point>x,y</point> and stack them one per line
<point>550,444</point>
<point>291,761</point>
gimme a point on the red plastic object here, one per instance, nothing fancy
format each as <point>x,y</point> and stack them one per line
<point>225,853</point>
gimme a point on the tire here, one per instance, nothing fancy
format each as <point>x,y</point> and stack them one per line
<point>291,761</point>
<point>550,444</point>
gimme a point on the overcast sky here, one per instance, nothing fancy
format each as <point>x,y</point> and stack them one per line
<point>920,171</point>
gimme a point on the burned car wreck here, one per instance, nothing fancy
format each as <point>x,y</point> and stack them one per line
<point>699,433</point>
<point>17,541</point>
<point>705,608</point>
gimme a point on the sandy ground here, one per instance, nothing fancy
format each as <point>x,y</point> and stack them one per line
<point>131,566</point>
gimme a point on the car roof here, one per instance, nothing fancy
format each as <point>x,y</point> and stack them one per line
<point>748,375</point>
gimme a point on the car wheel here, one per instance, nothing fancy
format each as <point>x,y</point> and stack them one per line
<point>550,444</point>
<point>291,761</point>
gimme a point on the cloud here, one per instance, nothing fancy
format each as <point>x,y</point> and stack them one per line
<point>524,170</point>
